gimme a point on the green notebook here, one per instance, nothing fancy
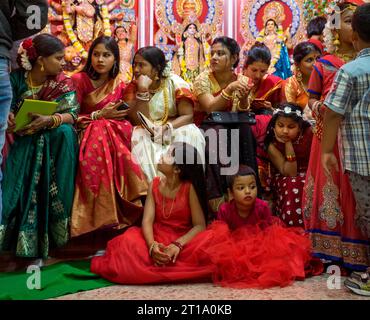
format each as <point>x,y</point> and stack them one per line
<point>45,108</point>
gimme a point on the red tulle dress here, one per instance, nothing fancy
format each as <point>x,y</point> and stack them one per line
<point>127,259</point>
<point>258,255</point>
<point>259,251</point>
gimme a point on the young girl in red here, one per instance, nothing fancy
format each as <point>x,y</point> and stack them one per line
<point>257,250</point>
<point>169,246</point>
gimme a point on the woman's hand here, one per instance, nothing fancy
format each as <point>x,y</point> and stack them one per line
<point>238,86</point>
<point>39,122</point>
<point>143,83</point>
<point>11,122</point>
<point>162,134</point>
<point>159,256</point>
<point>259,104</point>
<point>172,251</point>
<point>111,112</point>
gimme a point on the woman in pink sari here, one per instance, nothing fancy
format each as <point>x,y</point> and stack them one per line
<point>109,182</point>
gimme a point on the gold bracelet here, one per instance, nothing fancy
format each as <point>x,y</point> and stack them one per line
<point>225,95</point>
<point>152,247</point>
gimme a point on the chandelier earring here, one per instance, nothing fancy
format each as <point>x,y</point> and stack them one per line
<point>336,42</point>
<point>298,74</point>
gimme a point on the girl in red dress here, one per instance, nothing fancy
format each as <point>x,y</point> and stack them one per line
<point>169,246</point>
<point>255,249</point>
<point>288,143</point>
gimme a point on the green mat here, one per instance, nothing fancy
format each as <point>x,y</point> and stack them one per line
<point>55,280</point>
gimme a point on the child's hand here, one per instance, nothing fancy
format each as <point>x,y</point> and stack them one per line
<point>281,139</point>
<point>159,255</point>
<point>172,251</point>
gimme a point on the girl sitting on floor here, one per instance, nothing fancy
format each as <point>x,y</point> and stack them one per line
<point>257,250</point>
<point>169,246</point>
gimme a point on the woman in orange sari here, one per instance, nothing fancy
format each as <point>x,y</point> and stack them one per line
<point>109,182</point>
<point>294,89</point>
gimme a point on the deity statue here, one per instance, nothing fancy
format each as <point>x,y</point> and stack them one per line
<point>192,54</point>
<point>126,39</point>
<point>278,41</point>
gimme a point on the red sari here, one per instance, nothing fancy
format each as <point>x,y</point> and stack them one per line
<point>329,204</point>
<point>109,182</point>
<point>288,190</point>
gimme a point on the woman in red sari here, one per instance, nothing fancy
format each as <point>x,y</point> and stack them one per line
<point>109,182</point>
<point>329,204</point>
<point>288,143</point>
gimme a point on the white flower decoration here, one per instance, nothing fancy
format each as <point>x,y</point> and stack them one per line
<point>25,62</point>
<point>167,70</point>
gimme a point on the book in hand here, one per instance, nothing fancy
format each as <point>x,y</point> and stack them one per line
<point>26,106</point>
<point>147,124</point>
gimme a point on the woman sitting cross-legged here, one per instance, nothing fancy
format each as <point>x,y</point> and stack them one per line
<point>109,181</point>
<point>39,174</point>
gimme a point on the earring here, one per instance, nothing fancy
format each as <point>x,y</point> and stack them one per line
<point>156,77</point>
<point>336,41</point>
<point>299,74</point>
<point>42,68</point>
<point>114,68</point>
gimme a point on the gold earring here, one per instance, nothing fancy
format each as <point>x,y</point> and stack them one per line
<point>42,68</point>
<point>336,41</point>
<point>299,74</point>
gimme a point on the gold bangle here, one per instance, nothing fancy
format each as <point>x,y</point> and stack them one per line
<point>225,95</point>
<point>152,247</point>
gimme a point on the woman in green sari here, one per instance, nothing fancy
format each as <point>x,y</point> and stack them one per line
<point>38,181</point>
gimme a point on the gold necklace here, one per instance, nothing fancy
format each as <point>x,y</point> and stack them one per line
<point>345,56</point>
<point>166,216</point>
<point>32,87</point>
<point>162,86</point>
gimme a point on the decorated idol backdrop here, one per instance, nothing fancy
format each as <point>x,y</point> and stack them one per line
<point>280,24</point>
<point>78,22</point>
<point>184,30</point>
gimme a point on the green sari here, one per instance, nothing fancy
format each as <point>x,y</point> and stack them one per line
<point>38,183</point>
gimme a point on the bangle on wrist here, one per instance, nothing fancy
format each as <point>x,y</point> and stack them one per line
<point>143,96</point>
<point>291,157</point>
<point>178,244</point>
<point>152,247</point>
<point>225,95</point>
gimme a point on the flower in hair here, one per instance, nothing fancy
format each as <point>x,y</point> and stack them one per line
<point>288,110</point>
<point>167,70</point>
<point>26,54</point>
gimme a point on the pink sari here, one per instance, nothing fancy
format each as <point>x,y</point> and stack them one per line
<point>109,181</point>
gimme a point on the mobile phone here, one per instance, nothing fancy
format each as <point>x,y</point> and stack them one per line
<point>123,106</point>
